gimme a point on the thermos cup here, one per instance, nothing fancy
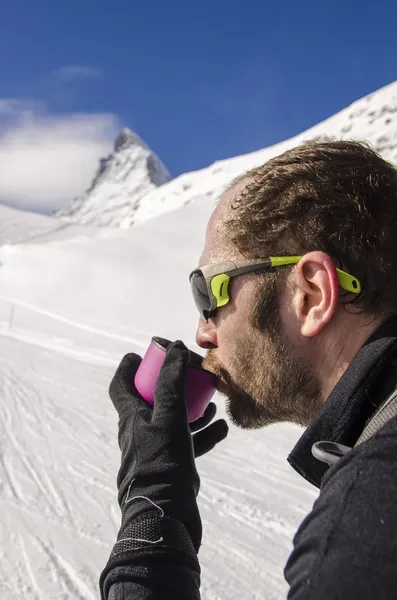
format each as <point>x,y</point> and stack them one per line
<point>200,384</point>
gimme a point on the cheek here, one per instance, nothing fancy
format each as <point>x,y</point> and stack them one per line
<point>289,320</point>
<point>233,322</point>
<point>232,332</point>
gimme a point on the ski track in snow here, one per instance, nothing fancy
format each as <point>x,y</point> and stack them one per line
<point>41,453</point>
<point>75,324</point>
<point>58,465</point>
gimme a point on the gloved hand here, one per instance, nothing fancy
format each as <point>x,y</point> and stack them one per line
<point>208,437</point>
<point>158,481</point>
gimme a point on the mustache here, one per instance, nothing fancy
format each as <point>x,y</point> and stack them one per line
<point>211,363</point>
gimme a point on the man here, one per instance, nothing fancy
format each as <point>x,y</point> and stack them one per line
<point>297,293</point>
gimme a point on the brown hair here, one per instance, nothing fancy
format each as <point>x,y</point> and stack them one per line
<point>336,196</point>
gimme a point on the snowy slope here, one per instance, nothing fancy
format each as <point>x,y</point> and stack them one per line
<point>122,180</point>
<point>17,225</point>
<point>373,118</point>
<point>22,226</point>
<point>70,307</point>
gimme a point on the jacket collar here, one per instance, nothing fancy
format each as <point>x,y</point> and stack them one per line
<point>368,380</point>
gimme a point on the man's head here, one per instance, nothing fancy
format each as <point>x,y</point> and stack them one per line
<point>286,336</point>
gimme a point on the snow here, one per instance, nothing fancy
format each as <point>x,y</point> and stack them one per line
<point>17,225</point>
<point>73,300</point>
<point>23,226</point>
<point>373,118</point>
<point>122,179</point>
<point>71,305</point>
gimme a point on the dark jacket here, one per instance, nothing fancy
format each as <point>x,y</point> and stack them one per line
<point>346,548</point>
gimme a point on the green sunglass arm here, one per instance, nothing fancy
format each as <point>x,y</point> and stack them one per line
<point>346,281</point>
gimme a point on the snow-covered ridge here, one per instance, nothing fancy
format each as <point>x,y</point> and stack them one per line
<point>112,200</point>
<point>123,178</point>
<point>373,118</point>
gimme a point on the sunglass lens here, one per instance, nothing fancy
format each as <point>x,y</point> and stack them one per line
<point>200,293</point>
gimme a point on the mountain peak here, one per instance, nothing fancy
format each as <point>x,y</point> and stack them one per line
<point>122,179</point>
<point>127,138</point>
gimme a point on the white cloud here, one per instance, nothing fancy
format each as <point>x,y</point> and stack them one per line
<point>46,160</point>
<point>74,71</point>
<point>14,108</point>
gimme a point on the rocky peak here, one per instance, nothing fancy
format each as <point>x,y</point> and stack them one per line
<point>126,139</point>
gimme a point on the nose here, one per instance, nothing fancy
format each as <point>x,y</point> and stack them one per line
<point>206,335</point>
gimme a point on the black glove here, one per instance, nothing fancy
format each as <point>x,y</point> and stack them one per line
<point>158,481</point>
<point>207,438</point>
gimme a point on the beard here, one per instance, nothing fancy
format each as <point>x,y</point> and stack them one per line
<point>266,380</point>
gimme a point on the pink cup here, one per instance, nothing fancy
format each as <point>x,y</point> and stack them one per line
<point>200,384</point>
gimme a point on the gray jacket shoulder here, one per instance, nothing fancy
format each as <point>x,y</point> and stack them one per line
<point>347,546</point>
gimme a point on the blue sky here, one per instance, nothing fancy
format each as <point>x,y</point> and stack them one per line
<point>199,81</point>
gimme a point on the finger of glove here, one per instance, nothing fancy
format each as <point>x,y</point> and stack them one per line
<point>169,396</point>
<point>206,439</point>
<point>207,417</point>
<point>122,388</point>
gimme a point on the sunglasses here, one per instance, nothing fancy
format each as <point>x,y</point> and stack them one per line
<point>210,283</point>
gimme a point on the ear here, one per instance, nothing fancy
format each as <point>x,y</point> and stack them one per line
<point>316,292</point>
